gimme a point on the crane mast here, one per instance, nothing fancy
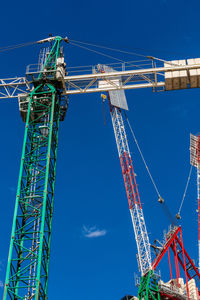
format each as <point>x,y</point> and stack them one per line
<point>195,161</point>
<point>117,101</point>
<point>135,207</point>
<point>198,210</point>
<point>42,110</point>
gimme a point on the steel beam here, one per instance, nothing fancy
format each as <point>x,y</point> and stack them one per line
<point>11,87</point>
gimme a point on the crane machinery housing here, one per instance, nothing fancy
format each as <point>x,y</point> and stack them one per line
<point>43,104</point>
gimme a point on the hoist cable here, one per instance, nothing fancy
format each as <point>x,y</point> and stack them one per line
<point>185,191</point>
<point>139,149</point>
<point>97,52</point>
<point>165,207</point>
<point>168,213</point>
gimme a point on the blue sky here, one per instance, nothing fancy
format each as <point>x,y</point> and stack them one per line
<point>93,246</point>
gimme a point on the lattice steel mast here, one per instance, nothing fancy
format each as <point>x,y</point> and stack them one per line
<point>195,161</point>
<point>141,235</point>
<point>117,101</point>
<point>42,110</point>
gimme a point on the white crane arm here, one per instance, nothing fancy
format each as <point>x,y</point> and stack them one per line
<point>172,76</point>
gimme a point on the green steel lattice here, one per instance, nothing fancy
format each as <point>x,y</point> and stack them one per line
<point>28,262</point>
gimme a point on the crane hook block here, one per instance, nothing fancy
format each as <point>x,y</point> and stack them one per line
<point>178,217</point>
<point>104,97</point>
<point>161,200</point>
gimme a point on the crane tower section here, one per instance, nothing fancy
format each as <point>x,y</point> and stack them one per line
<point>135,207</point>
<point>195,161</point>
<point>141,235</point>
<point>41,109</point>
<point>117,101</point>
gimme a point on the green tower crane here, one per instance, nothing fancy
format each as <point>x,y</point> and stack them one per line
<point>42,110</point>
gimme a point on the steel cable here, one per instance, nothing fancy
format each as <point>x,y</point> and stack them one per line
<point>165,207</point>
<point>146,166</point>
<point>108,48</point>
<point>97,52</point>
<point>7,48</point>
<point>129,52</point>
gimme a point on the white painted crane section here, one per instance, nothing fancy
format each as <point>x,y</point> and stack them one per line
<point>174,75</point>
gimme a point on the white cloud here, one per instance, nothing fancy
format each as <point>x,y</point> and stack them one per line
<point>92,232</point>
